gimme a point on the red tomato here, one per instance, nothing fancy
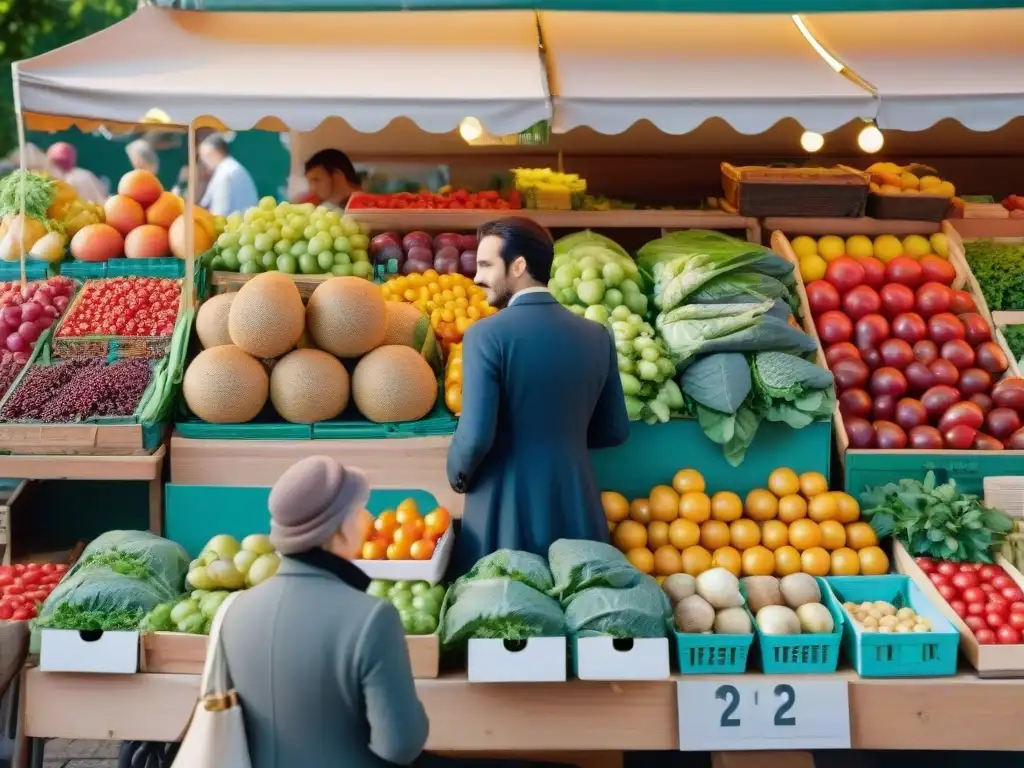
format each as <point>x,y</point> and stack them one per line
<point>1008,636</point>
<point>1002,581</point>
<point>995,620</point>
<point>961,608</point>
<point>976,623</point>
<point>14,589</point>
<point>976,609</point>
<point>1017,608</point>
<point>938,579</point>
<point>988,589</point>
<point>7,570</point>
<point>22,614</point>
<point>38,596</point>
<point>6,580</point>
<point>965,580</point>
<point>6,611</point>
<point>1016,620</point>
<point>926,564</point>
<point>947,569</point>
<point>31,577</point>
<point>970,567</point>
<point>19,568</point>
<point>1013,594</point>
<point>974,595</point>
<point>948,592</point>
<point>985,637</point>
<point>990,572</point>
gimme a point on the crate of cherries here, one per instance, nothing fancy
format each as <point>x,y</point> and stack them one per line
<point>986,597</point>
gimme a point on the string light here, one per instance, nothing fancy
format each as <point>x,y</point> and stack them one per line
<point>811,141</point>
<point>870,139</point>
<point>470,129</point>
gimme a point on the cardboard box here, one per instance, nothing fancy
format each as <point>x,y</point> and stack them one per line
<point>610,658</point>
<point>537,660</point>
<point>89,651</point>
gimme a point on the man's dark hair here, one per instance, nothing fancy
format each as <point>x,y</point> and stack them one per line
<point>332,160</point>
<point>218,142</point>
<point>526,238</point>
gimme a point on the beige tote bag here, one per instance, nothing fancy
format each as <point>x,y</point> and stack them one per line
<point>215,737</point>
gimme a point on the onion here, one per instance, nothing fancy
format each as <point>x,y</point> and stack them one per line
<point>31,311</point>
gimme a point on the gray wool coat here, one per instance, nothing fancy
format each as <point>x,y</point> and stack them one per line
<point>541,388</point>
<point>323,674</point>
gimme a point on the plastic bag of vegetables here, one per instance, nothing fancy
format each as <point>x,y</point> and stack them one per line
<point>641,610</point>
<point>578,565</point>
<point>499,609</point>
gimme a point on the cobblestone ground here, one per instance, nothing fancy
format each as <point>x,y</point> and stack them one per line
<point>62,753</point>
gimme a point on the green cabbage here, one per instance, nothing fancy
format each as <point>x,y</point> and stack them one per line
<point>578,565</point>
<point>512,564</point>
<point>640,610</point>
<point>499,609</point>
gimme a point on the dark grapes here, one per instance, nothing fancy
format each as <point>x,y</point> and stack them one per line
<point>79,389</point>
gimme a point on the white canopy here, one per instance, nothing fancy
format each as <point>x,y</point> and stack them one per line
<point>610,70</point>
<point>931,65</point>
<point>291,70</point>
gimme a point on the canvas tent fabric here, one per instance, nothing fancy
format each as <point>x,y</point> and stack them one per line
<point>611,70</point>
<point>931,66</point>
<point>283,71</point>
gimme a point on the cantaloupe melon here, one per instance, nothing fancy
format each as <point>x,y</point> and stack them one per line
<point>309,385</point>
<point>212,320</point>
<point>224,385</point>
<point>346,316</point>
<point>394,383</point>
<point>266,316</point>
<point>411,328</point>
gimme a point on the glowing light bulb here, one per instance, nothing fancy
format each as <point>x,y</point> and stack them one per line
<point>470,129</point>
<point>870,139</point>
<point>811,141</point>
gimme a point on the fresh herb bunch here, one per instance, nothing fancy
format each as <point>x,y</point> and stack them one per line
<point>999,268</point>
<point>39,193</point>
<point>66,616</point>
<point>1014,335</point>
<point>936,520</point>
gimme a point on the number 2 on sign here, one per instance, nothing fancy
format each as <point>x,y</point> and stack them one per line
<point>730,695</point>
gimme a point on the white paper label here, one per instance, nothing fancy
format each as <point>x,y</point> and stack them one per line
<point>775,712</point>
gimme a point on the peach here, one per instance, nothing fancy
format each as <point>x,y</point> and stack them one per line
<point>123,213</point>
<point>165,210</point>
<point>149,241</point>
<point>97,242</point>
<point>141,186</point>
<point>177,232</point>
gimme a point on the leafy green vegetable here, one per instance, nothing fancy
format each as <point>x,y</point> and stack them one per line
<point>688,328</point>
<point>720,247</point>
<point>936,520</point>
<point>499,609</point>
<point>999,268</point>
<point>720,382</point>
<point>38,195</point>
<point>588,237</point>
<point>512,564</point>
<point>118,562</point>
<point>1014,335</point>
<point>739,288</point>
<point>733,431</point>
<point>67,616</point>
<point>792,390</point>
<point>579,565</point>
<point>639,610</point>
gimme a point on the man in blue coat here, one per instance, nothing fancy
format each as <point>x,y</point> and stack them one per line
<point>541,387</point>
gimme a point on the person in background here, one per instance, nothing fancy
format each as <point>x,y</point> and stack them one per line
<point>331,686</point>
<point>231,188</point>
<point>64,159</point>
<point>143,157</point>
<point>541,388</point>
<point>332,178</point>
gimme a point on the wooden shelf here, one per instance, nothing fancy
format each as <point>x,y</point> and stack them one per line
<point>955,713</point>
<point>1011,229</point>
<point>84,467</point>
<point>795,225</point>
<point>406,220</point>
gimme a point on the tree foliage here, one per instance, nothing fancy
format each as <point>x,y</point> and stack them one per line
<point>31,27</point>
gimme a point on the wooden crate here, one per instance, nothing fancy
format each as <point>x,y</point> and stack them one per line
<point>991,661</point>
<point>1005,493</point>
<point>81,439</point>
<point>176,653</point>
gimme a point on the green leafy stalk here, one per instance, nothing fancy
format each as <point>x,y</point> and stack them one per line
<point>67,616</point>
<point>38,195</point>
<point>999,268</point>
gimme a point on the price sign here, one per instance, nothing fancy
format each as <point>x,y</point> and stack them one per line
<point>769,713</point>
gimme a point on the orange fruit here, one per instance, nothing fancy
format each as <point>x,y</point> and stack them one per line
<point>744,534</point>
<point>813,484</point>
<point>860,535</point>
<point>616,507</point>
<point>611,526</point>
<point>787,561</point>
<point>815,561</point>
<point>683,534</point>
<point>687,480</point>
<point>399,550</point>
<point>375,550</point>
<point>640,510</point>
<point>657,534</point>
<point>774,534</point>
<point>422,549</point>
<point>823,507</point>
<point>714,534</point>
<point>409,533</point>
<point>630,535</point>
<point>758,561</point>
<point>784,482</point>
<point>728,558</point>
<point>833,535</point>
<point>660,579</point>
<point>804,534</point>
<point>667,560</point>
<point>696,560</point>
<point>642,559</point>
<point>664,503</point>
<point>873,561</point>
<point>791,508</point>
<point>695,506</point>
<point>849,509</point>
<point>386,524</point>
<point>726,506</point>
<point>407,511</point>
<point>845,562</point>
<point>761,505</point>
<point>438,521</point>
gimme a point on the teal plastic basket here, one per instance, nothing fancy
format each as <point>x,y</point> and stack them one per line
<point>873,654</point>
<point>11,270</point>
<point>804,654</point>
<point>698,654</point>
<point>81,270</point>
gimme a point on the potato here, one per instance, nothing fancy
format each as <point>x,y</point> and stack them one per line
<point>801,588</point>
<point>761,591</point>
<point>679,586</point>
<point>778,620</point>
<point>694,614</point>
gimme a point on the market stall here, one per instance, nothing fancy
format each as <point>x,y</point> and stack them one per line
<point>719,480</point>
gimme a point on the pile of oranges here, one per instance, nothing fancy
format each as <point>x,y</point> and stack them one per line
<point>452,302</point>
<point>404,534</point>
<point>796,524</point>
<point>453,379</point>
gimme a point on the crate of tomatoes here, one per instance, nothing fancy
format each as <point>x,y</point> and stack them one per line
<point>25,586</point>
